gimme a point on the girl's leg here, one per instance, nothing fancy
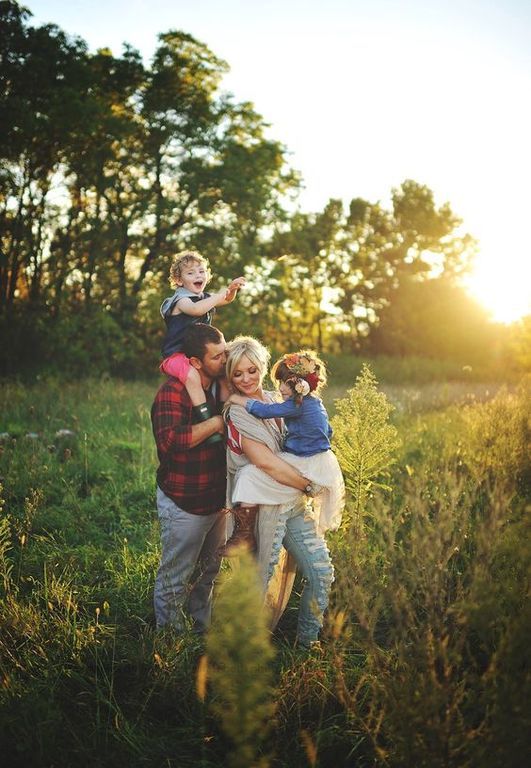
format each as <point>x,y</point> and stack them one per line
<point>311,553</point>
<point>178,366</point>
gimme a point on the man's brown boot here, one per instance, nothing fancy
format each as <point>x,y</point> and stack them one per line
<point>243,537</point>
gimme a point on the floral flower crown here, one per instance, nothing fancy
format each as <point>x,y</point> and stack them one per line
<point>306,378</point>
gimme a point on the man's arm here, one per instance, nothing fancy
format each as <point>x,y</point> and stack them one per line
<point>203,430</point>
<point>263,458</point>
<point>171,428</point>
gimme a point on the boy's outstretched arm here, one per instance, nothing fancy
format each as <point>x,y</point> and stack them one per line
<point>232,290</point>
<point>219,299</point>
<point>201,307</point>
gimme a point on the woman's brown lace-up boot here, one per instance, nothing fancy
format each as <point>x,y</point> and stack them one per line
<point>243,537</point>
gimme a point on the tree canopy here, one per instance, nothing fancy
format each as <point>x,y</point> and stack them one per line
<point>109,166</point>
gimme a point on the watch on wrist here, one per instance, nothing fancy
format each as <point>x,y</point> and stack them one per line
<point>309,490</point>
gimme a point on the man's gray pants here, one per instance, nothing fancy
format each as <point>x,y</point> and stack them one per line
<point>189,564</point>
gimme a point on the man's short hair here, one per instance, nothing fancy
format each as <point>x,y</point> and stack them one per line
<point>197,337</point>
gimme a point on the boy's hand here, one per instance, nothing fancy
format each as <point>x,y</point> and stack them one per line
<point>234,287</point>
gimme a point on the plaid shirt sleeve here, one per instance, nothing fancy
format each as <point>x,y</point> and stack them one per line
<point>194,478</point>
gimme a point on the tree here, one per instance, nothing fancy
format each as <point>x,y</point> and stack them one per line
<point>335,272</point>
<point>413,240</point>
<point>108,168</point>
<point>304,257</point>
<point>433,318</point>
<point>40,71</point>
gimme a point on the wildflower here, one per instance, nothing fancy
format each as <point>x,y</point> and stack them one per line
<point>300,364</point>
<point>62,433</point>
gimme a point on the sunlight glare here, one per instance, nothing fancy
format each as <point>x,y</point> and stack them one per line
<point>502,285</point>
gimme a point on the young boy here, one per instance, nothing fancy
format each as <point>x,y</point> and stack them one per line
<point>190,303</point>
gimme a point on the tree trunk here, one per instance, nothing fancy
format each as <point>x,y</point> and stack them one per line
<point>92,253</point>
<point>12,251</point>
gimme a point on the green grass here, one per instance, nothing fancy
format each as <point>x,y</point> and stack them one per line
<point>423,660</point>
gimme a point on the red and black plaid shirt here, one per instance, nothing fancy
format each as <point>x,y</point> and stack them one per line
<point>194,478</point>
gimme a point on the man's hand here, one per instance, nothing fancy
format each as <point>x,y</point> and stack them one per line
<point>219,424</point>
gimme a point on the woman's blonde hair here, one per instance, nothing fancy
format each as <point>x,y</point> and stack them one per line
<point>181,261</point>
<point>246,346</point>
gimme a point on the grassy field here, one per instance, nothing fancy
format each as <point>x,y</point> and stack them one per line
<point>424,660</point>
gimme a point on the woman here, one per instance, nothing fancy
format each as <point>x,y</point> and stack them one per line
<point>257,442</point>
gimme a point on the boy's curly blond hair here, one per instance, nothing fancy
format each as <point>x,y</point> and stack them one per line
<point>181,260</point>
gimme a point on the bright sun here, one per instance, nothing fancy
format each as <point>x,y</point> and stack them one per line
<point>502,283</point>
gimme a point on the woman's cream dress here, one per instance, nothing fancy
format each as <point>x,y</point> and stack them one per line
<point>277,589</point>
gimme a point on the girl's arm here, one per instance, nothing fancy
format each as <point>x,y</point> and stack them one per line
<point>286,409</point>
<point>263,458</point>
<point>267,410</point>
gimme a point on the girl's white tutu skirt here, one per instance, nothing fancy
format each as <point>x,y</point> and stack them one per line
<point>254,486</point>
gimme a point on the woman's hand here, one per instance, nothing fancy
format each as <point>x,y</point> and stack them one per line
<point>235,399</point>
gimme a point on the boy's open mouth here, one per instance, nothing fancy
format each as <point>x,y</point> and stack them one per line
<point>198,284</point>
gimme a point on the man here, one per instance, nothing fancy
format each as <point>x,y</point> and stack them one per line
<point>191,481</point>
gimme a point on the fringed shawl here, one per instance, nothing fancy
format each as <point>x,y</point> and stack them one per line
<point>278,588</point>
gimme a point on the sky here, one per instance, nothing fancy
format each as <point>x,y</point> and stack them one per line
<point>368,93</point>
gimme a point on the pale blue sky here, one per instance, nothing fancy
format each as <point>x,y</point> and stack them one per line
<point>367,93</point>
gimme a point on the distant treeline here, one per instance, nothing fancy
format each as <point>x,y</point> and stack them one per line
<point>108,167</point>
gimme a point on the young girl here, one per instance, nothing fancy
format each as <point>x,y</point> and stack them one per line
<point>190,303</point>
<point>301,377</point>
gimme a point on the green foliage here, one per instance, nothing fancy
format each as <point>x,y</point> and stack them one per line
<point>437,596</point>
<point>364,439</point>
<point>520,344</point>
<point>239,657</point>
<point>108,167</point>
<point>6,565</point>
<point>423,659</point>
<point>434,318</point>
<point>142,162</point>
<point>497,449</point>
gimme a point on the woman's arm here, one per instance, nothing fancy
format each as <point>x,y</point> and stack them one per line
<point>263,458</point>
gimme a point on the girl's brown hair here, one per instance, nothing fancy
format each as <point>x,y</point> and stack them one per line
<point>304,365</point>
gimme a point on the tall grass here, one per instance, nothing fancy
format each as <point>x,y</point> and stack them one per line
<point>438,600</point>
<point>239,661</point>
<point>424,659</point>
